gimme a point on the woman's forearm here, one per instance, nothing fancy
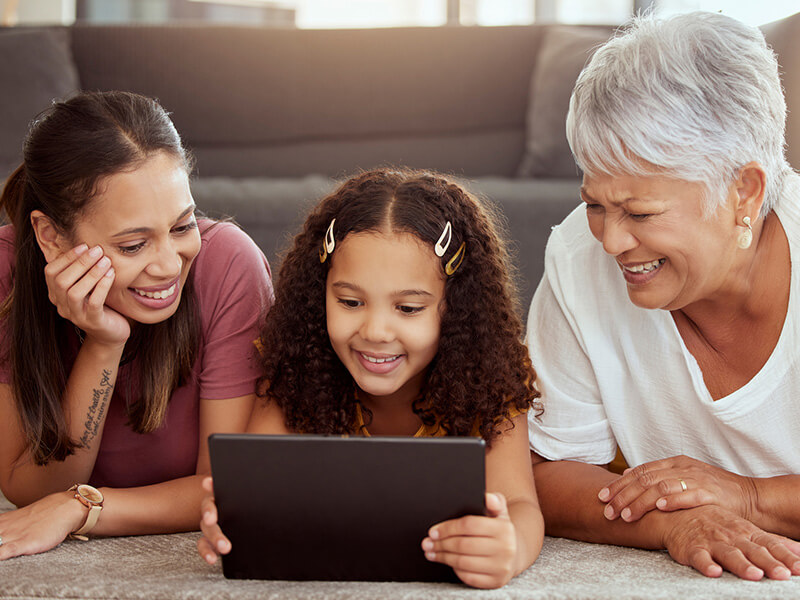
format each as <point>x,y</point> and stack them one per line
<point>168,507</point>
<point>568,498</point>
<point>87,397</point>
<point>776,508</point>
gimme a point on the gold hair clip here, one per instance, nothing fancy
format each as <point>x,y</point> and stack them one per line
<point>328,243</point>
<point>455,262</point>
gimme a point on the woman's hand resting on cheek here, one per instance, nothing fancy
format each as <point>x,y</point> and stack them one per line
<point>676,483</point>
<point>40,526</point>
<point>212,542</point>
<point>481,550</point>
<point>78,283</point>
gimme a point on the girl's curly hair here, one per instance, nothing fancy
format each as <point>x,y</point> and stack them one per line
<point>481,373</point>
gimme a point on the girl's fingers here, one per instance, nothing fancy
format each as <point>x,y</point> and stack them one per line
<point>461,562</point>
<point>473,546</point>
<point>481,580</point>
<point>496,505</point>
<point>206,551</point>
<point>471,526</point>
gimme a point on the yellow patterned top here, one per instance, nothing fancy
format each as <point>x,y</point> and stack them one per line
<point>424,430</point>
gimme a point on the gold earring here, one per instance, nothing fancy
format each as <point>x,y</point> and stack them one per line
<point>746,236</point>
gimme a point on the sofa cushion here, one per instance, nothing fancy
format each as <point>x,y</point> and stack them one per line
<point>564,52</point>
<point>382,93</point>
<point>35,67</point>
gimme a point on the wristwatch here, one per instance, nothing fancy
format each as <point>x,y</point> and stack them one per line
<point>91,498</point>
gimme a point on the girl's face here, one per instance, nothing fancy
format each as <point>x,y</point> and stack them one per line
<point>384,301</point>
<point>144,221</point>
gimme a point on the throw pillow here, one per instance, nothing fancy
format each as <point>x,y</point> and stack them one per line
<point>564,52</point>
<point>36,66</point>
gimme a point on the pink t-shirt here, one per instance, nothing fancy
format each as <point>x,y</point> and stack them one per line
<point>232,285</point>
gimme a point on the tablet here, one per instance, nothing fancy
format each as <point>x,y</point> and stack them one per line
<point>308,507</point>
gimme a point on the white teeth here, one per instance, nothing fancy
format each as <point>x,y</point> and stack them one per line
<point>379,360</point>
<point>158,295</point>
<point>646,267</point>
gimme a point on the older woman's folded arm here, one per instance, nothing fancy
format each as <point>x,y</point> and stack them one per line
<point>776,506</point>
<point>708,538</point>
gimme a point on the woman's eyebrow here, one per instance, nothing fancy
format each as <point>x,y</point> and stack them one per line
<point>189,210</point>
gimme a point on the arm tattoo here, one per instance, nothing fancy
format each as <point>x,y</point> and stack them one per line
<point>97,410</point>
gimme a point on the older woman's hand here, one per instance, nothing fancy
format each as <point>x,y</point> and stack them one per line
<point>213,542</point>
<point>677,483</point>
<point>712,539</point>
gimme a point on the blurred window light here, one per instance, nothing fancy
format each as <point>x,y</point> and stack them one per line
<point>597,12</point>
<point>331,14</point>
<point>751,12</point>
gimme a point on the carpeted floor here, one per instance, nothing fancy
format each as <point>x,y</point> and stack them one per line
<point>167,566</point>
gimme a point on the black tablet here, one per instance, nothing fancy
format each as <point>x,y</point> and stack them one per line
<point>307,507</point>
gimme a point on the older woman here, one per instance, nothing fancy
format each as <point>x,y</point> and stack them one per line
<point>668,320</point>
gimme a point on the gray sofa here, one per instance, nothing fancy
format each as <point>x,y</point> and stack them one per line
<point>275,116</point>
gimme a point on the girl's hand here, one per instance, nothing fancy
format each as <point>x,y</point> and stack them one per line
<point>712,539</point>
<point>78,282</point>
<point>677,483</point>
<point>481,550</point>
<point>213,541</point>
<point>40,526</point>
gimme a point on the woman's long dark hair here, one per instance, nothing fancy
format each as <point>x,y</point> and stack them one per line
<point>481,374</point>
<point>69,150</point>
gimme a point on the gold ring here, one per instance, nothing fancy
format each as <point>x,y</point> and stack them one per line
<point>684,487</point>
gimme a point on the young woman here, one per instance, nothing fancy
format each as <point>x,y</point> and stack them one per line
<point>127,328</point>
<point>395,315</point>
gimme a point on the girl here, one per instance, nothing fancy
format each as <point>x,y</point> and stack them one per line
<point>395,315</point>
<point>126,328</point>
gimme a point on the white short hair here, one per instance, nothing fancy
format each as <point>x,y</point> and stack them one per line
<point>695,97</point>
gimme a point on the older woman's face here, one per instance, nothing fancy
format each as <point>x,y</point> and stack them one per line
<point>669,254</point>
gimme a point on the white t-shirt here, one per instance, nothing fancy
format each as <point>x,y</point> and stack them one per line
<point>613,373</point>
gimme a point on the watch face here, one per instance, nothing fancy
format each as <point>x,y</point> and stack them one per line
<point>90,493</point>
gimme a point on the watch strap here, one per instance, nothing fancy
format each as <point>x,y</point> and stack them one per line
<point>90,522</point>
<point>92,516</point>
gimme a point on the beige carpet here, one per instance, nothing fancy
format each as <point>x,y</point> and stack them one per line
<point>167,566</point>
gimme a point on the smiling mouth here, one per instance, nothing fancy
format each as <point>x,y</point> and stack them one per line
<point>645,267</point>
<point>379,361</point>
<point>160,295</point>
